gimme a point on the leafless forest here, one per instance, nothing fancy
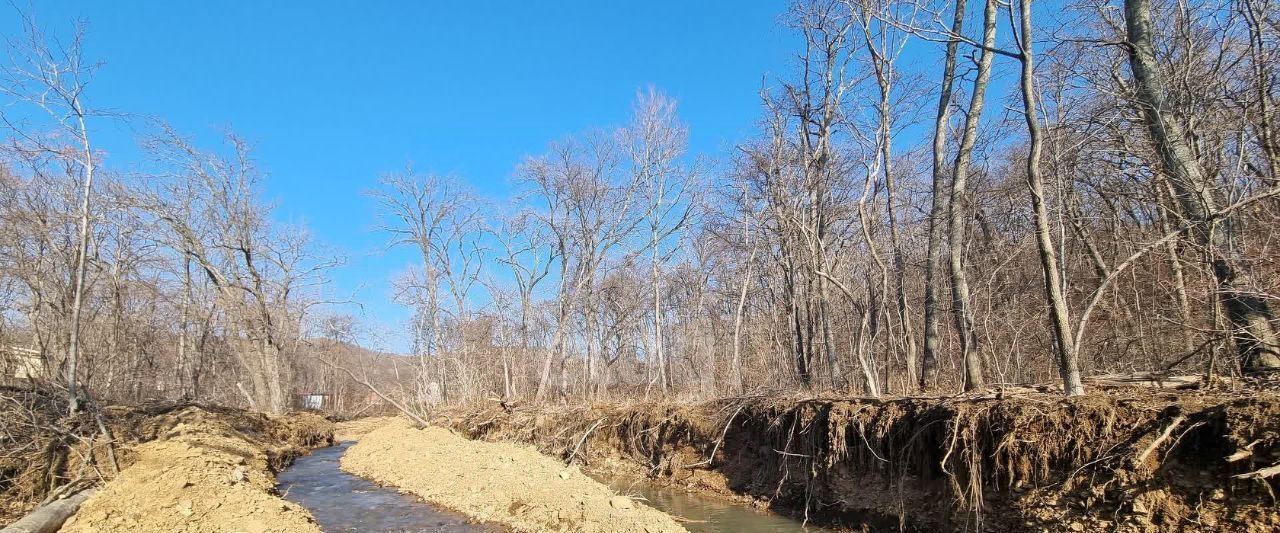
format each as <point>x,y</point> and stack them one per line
<point>939,197</point>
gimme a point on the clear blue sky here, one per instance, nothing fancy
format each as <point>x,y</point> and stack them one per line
<point>335,94</point>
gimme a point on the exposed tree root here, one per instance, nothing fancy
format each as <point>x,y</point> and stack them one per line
<point>1012,463</point>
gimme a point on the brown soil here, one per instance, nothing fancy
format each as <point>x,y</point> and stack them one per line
<point>354,429</point>
<point>494,482</point>
<point>1119,460</point>
<point>206,471</point>
<point>44,451</point>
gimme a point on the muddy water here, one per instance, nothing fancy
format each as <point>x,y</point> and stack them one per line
<point>341,502</point>
<point>701,514</point>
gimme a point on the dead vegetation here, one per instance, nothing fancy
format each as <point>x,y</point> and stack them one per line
<point>45,454</point>
<point>1124,459</point>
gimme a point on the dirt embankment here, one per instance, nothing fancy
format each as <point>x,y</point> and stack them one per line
<point>497,482</point>
<point>354,429</point>
<point>45,452</point>
<point>206,471</point>
<point>1128,460</point>
<point>167,454</point>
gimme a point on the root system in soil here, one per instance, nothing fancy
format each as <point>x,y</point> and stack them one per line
<point>1122,460</point>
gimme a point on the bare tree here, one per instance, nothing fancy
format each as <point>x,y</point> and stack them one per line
<point>929,364</point>
<point>1198,197</point>
<point>261,273</point>
<point>957,214</point>
<point>442,221</point>
<point>53,77</point>
<point>591,209</point>
<point>1058,313</point>
<point>528,254</point>
<point>655,141</point>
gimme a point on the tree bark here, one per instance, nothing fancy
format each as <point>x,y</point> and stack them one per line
<point>49,518</point>
<point>1198,196</point>
<point>1068,364</point>
<point>957,215</point>
<point>73,347</point>
<point>929,358</point>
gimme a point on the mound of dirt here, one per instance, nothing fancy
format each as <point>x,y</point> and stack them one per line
<point>354,429</point>
<point>303,430</point>
<point>495,482</point>
<point>204,472</point>
<point>45,452</point>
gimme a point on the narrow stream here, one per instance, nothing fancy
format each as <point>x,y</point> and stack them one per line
<point>703,514</point>
<point>341,502</point>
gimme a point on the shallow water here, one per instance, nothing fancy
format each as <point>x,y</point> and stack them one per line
<point>702,514</point>
<point>343,502</point>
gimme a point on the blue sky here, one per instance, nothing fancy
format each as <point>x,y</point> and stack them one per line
<point>335,94</point>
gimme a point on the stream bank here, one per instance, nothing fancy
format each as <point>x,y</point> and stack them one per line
<point>342,502</point>
<point>1119,460</point>
<point>205,470</point>
<point>702,513</point>
<point>515,486</point>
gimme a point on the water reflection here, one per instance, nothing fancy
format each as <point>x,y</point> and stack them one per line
<point>343,502</point>
<point>702,514</point>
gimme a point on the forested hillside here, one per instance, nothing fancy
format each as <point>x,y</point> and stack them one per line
<point>938,197</point>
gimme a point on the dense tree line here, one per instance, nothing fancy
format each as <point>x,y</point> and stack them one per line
<point>940,197</point>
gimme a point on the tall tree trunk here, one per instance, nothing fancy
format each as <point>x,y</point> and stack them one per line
<point>562,317</point>
<point>657,311</point>
<point>1248,314</point>
<point>929,361</point>
<point>73,347</point>
<point>800,354</point>
<point>957,215</point>
<point>836,373</point>
<point>437,339</point>
<point>736,385</point>
<point>910,353</point>
<point>1068,365</point>
<point>184,319</point>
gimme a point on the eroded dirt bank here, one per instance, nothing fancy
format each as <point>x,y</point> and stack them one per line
<point>1127,460</point>
<point>202,469</point>
<point>43,451</point>
<point>496,482</point>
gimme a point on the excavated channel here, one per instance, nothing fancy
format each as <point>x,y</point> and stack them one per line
<point>341,502</point>
<point>702,514</point>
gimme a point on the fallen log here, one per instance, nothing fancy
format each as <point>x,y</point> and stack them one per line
<point>50,517</point>
<point>1147,379</point>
